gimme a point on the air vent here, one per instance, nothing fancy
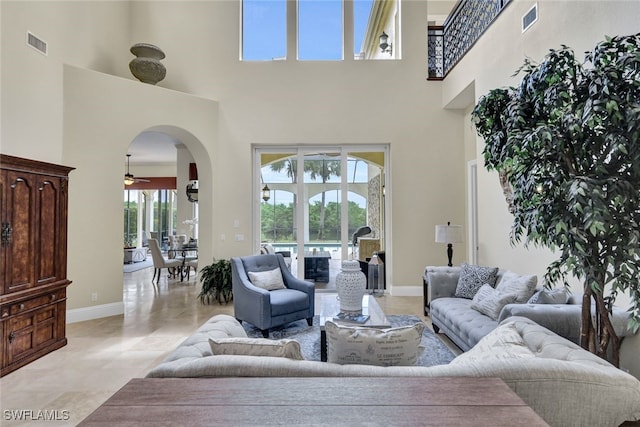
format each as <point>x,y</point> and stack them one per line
<point>530,17</point>
<point>36,43</point>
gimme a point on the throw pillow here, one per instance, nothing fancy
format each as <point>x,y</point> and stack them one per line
<point>504,342</point>
<point>490,301</point>
<point>472,277</point>
<point>269,280</point>
<point>371,346</point>
<point>550,296</point>
<point>256,347</point>
<point>513,283</point>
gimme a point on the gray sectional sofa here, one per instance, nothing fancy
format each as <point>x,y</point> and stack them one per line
<point>466,326</point>
<point>564,384</point>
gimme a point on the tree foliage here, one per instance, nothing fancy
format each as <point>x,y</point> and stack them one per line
<point>568,140</point>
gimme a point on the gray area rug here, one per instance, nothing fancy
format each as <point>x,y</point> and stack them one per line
<point>435,351</point>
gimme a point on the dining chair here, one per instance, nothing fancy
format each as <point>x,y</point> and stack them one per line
<point>159,261</point>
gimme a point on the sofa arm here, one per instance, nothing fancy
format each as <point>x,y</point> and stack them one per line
<point>563,319</point>
<point>439,282</point>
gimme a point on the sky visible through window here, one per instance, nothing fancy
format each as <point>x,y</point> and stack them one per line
<point>264,29</point>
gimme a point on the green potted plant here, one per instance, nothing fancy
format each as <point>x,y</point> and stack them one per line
<point>567,143</point>
<point>216,282</point>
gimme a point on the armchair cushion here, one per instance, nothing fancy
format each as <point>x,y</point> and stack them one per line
<point>285,301</point>
<point>269,280</point>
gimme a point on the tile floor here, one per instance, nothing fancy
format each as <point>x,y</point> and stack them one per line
<point>103,354</point>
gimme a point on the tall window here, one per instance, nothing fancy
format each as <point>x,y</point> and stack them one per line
<point>264,30</point>
<point>320,30</point>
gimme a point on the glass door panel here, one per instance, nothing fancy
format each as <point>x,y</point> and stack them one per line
<point>278,225</point>
<point>316,203</point>
<point>322,231</point>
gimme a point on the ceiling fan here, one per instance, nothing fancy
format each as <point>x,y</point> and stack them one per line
<point>129,178</point>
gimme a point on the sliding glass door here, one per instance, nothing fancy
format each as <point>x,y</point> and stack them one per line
<point>313,200</point>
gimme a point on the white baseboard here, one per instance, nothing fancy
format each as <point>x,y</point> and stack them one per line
<point>95,312</point>
<point>406,291</point>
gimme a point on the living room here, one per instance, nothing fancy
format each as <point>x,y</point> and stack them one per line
<point>90,108</point>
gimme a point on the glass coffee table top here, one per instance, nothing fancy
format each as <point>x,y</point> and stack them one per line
<point>329,307</point>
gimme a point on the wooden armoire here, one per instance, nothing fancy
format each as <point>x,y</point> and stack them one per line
<point>33,259</point>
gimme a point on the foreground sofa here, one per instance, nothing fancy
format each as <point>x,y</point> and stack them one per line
<point>564,384</point>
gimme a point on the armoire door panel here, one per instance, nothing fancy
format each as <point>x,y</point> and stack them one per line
<point>20,248</point>
<point>47,238</point>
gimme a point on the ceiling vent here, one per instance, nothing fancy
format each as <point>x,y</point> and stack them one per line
<point>530,17</point>
<point>36,43</point>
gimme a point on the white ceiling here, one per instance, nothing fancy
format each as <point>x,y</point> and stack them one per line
<point>153,147</point>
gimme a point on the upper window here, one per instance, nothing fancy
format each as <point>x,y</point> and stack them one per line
<point>361,12</point>
<point>264,30</point>
<point>320,30</point>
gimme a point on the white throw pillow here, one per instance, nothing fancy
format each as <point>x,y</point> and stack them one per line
<point>504,342</point>
<point>257,347</point>
<point>522,286</point>
<point>490,301</point>
<point>348,345</point>
<point>269,280</point>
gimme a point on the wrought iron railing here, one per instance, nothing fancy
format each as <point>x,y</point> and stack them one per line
<point>447,44</point>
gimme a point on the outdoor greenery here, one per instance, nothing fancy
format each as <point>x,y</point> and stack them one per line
<point>278,222</point>
<point>131,217</point>
<point>216,282</point>
<point>568,141</point>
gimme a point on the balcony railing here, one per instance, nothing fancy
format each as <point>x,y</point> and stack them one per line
<point>447,44</point>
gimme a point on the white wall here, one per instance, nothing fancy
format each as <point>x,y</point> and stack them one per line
<point>87,119</point>
<point>92,35</point>
<point>97,135</point>
<point>492,62</point>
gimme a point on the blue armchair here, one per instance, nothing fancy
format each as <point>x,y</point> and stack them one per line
<point>267,309</point>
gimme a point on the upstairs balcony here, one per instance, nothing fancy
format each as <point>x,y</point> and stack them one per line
<point>448,43</point>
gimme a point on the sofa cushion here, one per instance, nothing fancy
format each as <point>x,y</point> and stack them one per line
<point>550,296</point>
<point>490,301</point>
<point>522,286</point>
<point>257,347</point>
<point>269,280</point>
<point>464,325</point>
<point>472,277</point>
<point>372,346</point>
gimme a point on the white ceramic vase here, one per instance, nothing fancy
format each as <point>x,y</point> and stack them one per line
<point>351,284</point>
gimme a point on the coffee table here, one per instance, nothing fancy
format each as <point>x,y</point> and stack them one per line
<point>337,401</point>
<point>330,306</point>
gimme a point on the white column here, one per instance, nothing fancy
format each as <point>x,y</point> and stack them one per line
<point>139,219</point>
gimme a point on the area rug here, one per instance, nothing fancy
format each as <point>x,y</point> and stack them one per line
<point>435,351</point>
<point>136,266</point>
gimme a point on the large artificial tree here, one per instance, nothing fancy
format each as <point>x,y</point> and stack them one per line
<point>566,143</point>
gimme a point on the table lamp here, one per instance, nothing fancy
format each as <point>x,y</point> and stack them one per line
<point>449,234</point>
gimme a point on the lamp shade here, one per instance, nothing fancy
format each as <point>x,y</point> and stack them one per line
<point>449,234</point>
